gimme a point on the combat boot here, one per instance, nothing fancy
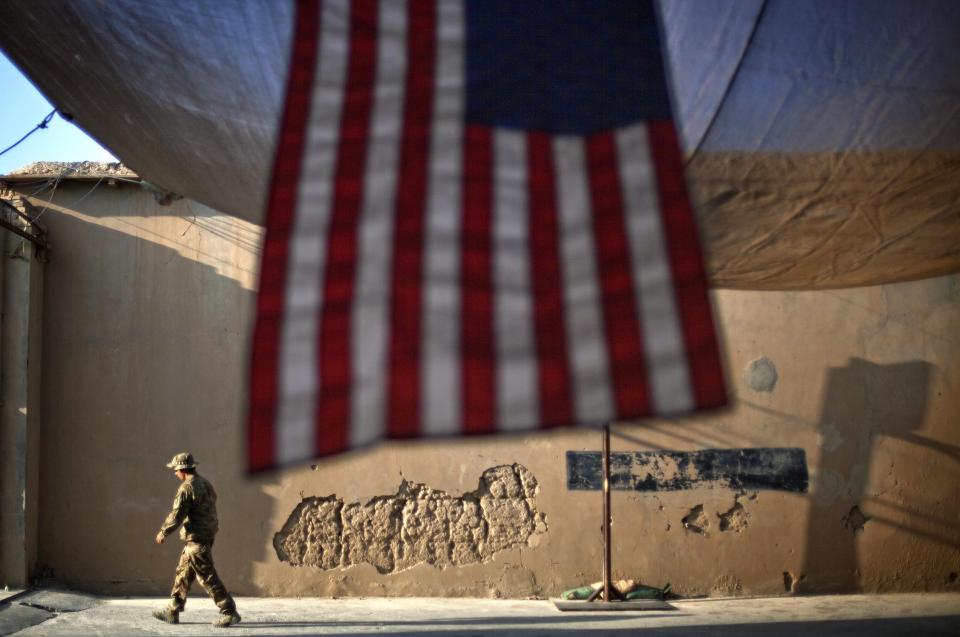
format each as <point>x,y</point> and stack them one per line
<point>226,620</point>
<point>167,615</point>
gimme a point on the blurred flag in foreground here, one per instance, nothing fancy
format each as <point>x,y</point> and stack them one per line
<point>477,223</point>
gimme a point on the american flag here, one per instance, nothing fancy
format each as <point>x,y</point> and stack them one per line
<point>477,223</point>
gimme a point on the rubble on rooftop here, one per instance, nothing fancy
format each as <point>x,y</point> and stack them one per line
<point>75,169</point>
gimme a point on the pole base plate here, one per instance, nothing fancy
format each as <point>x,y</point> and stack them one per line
<point>634,605</point>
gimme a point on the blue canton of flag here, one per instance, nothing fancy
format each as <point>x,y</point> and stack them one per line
<point>563,67</point>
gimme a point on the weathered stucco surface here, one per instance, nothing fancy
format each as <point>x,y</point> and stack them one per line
<point>146,323</point>
<point>21,310</point>
<point>417,525</point>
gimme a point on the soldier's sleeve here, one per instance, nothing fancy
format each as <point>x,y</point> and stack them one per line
<point>181,507</point>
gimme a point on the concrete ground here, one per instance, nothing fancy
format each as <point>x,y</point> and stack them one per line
<point>916,615</point>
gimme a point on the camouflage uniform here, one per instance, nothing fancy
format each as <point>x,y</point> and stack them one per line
<point>195,512</point>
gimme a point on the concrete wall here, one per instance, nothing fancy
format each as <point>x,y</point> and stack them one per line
<point>148,311</point>
<point>21,296</point>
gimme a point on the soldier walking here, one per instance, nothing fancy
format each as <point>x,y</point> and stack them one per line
<point>195,512</point>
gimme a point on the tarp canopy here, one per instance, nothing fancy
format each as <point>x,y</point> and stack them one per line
<point>822,137</point>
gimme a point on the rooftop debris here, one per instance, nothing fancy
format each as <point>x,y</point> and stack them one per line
<point>75,169</point>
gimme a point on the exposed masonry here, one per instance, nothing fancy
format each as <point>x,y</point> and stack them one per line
<point>735,519</point>
<point>418,525</point>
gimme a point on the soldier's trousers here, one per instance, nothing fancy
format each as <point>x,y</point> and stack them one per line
<point>196,563</point>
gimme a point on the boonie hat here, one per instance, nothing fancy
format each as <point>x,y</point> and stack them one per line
<point>182,461</point>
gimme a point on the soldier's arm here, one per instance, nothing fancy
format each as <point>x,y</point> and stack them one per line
<point>181,507</point>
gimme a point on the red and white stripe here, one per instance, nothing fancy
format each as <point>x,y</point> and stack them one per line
<point>425,277</point>
<point>438,378</point>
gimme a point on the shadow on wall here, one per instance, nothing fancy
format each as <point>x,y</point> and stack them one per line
<point>862,402</point>
<point>145,355</point>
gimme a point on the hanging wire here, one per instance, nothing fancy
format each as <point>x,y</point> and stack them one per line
<point>43,124</point>
<point>47,183</point>
<point>89,192</point>
<point>52,193</point>
<point>72,203</point>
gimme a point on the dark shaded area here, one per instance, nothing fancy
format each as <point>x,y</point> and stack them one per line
<point>16,617</point>
<point>157,351</point>
<point>862,402</point>
<point>779,469</point>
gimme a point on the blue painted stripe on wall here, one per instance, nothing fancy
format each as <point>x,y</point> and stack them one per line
<point>778,469</point>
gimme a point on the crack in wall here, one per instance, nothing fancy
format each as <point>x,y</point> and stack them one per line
<point>791,582</point>
<point>417,525</point>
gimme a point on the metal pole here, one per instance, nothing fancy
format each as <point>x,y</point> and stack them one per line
<point>606,589</point>
<point>606,515</point>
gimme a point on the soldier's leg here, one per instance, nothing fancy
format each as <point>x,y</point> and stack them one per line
<point>186,574</point>
<point>207,574</point>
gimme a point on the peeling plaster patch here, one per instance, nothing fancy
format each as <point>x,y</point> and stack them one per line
<point>761,375</point>
<point>318,521</point>
<point>696,520</point>
<point>855,520</point>
<point>735,519</point>
<point>371,533</point>
<point>418,525</point>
